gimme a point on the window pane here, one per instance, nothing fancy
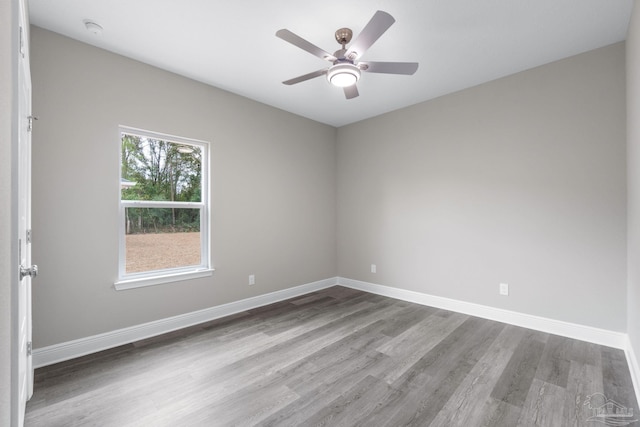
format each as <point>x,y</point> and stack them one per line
<point>161,238</point>
<point>154,169</point>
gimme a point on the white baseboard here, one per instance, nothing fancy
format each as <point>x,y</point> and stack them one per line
<point>68,350</point>
<point>634,367</point>
<point>605,337</point>
<point>60,352</point>
<point>557,327</point>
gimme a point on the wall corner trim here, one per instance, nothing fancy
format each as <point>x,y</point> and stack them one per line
<point>634,367</point>
<point>571,330</point>
<point>71,349</point>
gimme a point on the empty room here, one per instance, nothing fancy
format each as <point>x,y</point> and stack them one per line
<point>341,213</point>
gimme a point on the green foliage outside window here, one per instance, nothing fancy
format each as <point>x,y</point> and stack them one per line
<point>161,171</point>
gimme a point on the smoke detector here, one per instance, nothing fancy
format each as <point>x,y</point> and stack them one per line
<point>92,27</point>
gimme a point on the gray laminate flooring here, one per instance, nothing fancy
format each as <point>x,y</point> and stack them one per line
<point>339,357</point>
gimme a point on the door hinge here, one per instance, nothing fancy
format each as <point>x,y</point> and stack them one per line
<point>29,348</point>
<point>30,123</point>
<point>28,236</point>
<point>22,42</point>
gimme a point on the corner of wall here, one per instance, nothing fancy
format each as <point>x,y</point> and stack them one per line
<point>634,366</point>
<point>633,196</point>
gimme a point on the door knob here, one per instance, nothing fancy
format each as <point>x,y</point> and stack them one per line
<point>30,271</point>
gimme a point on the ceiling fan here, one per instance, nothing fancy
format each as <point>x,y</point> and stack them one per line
<point>346,68</point>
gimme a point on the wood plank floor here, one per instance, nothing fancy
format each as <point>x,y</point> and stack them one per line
<point>337,357</point>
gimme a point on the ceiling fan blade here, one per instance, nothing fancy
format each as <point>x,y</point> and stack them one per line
<point>351,91</point>
<point>380,23</point>
<point>305,77</point>
<point>407,68</point>
<point>298,41</point>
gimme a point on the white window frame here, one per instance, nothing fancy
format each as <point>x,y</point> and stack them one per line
<point>156,277</point>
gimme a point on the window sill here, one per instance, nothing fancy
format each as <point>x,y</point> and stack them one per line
<point>140,282</point>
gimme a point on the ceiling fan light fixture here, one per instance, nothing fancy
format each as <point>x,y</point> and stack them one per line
<point>343,75</point>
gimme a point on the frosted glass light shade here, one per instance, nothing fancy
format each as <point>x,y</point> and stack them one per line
<point>343,75</point>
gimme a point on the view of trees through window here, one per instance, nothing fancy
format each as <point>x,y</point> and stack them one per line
<point>161,192</point>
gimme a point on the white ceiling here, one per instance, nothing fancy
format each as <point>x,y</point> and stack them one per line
<point>232,44</point>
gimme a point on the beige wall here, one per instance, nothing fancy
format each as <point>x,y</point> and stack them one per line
<point>272,185</point>
<point>7,258</point>
<point>633,174</point>
<point>520,180</point>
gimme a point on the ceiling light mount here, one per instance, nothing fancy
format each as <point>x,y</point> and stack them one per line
<point>343,36</point>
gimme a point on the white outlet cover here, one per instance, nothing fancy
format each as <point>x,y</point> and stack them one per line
<point>504,289</point>
<point>373,268</point>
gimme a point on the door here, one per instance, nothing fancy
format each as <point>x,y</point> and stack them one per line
<point>27,271</point>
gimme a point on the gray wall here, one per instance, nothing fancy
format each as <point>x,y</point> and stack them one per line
<point>273,190</point>
<point>7,258</point>
<point>633,174</point>
<point>520,180</point>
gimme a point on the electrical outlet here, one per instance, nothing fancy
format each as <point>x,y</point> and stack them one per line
<point>252,279</point>
<point>373,268</point>
<point>504,289</point>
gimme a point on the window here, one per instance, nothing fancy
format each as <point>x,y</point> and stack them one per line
<point>164,211</point>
